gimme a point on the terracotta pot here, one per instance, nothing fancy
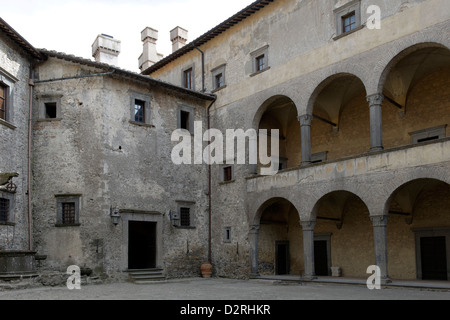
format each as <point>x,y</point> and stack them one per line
<point>206,270</point>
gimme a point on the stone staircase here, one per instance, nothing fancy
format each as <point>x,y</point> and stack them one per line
<point>146,276</point>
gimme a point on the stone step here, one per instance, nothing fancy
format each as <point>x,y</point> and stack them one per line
<point>146,276</point>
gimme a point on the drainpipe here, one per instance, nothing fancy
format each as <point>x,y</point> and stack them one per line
<point>203,66</point>
<point>209,188</point>
<point>31,85</point>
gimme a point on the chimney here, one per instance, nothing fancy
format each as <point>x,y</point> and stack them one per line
<point>106,49</point>
<point>149,56</point>
<point>179,37</point>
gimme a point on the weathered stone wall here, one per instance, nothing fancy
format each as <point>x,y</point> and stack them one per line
<point>95,151</point>
<point>15,69</point>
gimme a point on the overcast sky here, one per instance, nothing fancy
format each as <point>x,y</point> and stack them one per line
<point>71,26</point>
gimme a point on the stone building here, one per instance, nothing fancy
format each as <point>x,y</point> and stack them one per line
<point>363,173</point>
<point>363,114</point>
<point>17,57</point>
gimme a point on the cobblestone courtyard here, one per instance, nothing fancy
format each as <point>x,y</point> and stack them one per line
<point>224,289</point>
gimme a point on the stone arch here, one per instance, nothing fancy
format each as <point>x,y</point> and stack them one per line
<point>412,187</point>
<point>336,200</point>
<point>393,57</point>
<point>265,106</point>
<point>320,86</point>
<point>263,203</point>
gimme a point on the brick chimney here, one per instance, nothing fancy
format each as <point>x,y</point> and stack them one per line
<point>179,37</point>
<point>106,49</point>
<point>149,55</point>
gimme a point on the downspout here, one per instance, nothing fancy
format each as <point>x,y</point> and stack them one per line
<point>30,110</point>
<point>203,66</point>
<point>209,188</point>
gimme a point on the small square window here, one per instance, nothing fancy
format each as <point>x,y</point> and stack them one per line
<point>51,110</point>
<point>68,210</point>
<point>3,101</point>
<point>139,111</point>
<point>50,107</point>
<point>185,217</point>
<point>4,209</point>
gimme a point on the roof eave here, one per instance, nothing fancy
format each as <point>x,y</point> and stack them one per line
<point>211,34</point>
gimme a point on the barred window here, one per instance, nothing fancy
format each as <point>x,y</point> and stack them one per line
<point>185,215</point>
<point>4,210</point>
<point>68,213</point>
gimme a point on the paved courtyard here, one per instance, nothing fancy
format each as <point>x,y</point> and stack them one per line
<point>224,290</point>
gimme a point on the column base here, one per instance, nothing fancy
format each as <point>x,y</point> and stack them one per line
<point>254,275</point>
<point>376,149</point>
<point>308,278</point>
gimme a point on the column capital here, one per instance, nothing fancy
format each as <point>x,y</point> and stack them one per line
<point>379,221</point>
<point>375,99</point>
<point>308,225</point>
<point>254,229</point>
<point>305,120</point>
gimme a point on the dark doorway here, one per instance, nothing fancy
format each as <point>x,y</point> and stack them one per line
<point>283,260</point>
<point>321,258</point>
<point>434,258</point>
<point>141,245</point>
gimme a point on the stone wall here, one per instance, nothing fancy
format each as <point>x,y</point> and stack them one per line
<point>95,151</point>
<point>14,72</point>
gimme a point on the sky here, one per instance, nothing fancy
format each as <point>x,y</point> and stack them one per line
<point>71,26</point>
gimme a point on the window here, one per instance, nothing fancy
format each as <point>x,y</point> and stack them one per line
<point>185,217</point>
<point>348,18</point>
<point>50,110</point>
<point>260,59</point>
<point>227,174</point>
<point>139,111</point>
<point>188,78</point>
<point>219,81</point>
<point>227,235</point>
<point>218,76</point>
<point>429,134</point>
<point>68,213</point>
<point>68,210</point>
<point>319,157</point>
<point>260,63</point>
<point>4,210</point>
<point>186,118</point>
<point>349,22</point>
<point>3,101</point>
<point>49,107</point>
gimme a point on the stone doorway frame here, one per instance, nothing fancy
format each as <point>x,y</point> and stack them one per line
<point>142,216</point>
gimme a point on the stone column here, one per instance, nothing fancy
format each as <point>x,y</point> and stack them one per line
<point>380,239</point>
<point>253,239</point>
<point>376,122</point>
<point>308,249</point>
<point>305,125</point>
